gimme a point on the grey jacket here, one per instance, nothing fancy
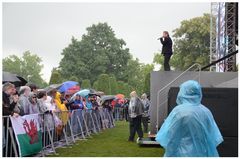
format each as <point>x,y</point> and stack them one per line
<point>24,104</point>
<point>147,105</point>
<point>48,118</point>
<point>42,106</point>
<point>136,107</point>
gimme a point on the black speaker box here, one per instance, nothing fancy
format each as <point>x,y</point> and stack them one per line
<point>223,103</point>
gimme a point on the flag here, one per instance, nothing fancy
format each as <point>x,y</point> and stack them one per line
<point>28,134</point>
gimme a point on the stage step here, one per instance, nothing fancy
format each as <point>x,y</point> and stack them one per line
<point>148,142</point>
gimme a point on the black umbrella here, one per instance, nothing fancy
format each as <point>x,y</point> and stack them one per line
<point>107,98</point>
<point>96,93</point>
<point>51,87</point>
<point>23,81</point>
<point>92,90</point>
<point>13,78</point>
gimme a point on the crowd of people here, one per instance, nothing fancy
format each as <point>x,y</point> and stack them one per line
<point>135,110</point>
<point>29,100</point>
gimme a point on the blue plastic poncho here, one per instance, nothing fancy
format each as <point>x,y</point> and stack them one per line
<point>190,129</point>
<point>88,104</point>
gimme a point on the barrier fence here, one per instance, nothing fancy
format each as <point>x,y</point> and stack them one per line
<point>120,113</point>
<point>60,129</point>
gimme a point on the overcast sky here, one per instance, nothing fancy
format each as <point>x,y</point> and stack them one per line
<point>46,28</point>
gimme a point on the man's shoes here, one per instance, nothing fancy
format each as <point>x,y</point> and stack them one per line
<point>130,140</point>
<point>139,139</point>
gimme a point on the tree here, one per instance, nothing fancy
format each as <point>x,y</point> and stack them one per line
<point>55,77</point>
<point>86,84</point>
<point>12,64</point>
<point>95,85</point>
<point>113,84</point>
<point>123,88</point>
<point>146,71</point>
<point>135,75</point>
<point>191,43</point>
<point>147,68</point>
<point>120,87</point>
<point>147,83</point>
<point>28,66</point>
<point>73,78</point>
<point>98,52</point>
<point>159,59</point>
<point>106,83</point>
<point>127,89</point>
<point>103,83</point>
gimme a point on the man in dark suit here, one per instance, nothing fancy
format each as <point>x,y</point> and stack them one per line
<point>166,49</point>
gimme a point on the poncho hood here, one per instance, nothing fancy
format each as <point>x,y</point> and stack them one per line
<point>190,129</point>
<point>190,93</point>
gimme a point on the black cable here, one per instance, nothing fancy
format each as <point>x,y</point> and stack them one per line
<point>223,58</point>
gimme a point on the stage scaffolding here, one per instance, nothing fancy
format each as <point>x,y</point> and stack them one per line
<point>223,34</point>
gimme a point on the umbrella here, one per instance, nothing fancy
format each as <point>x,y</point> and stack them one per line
<point>92,90</point>
<point>120,96</point>
<point>66,85</point>
<point>99,93</point>
<point>23,81</point>
<point>82,93</point>
<point>51,87</point>
<point>106,98</point>
<point>13,78</point>
<point>73,90</point>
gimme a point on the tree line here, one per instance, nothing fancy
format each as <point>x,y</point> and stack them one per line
<point>101,61</point>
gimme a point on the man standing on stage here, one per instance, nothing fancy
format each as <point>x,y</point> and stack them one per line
<point>166,49</point>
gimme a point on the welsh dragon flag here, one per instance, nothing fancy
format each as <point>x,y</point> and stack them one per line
<point>28,134</point>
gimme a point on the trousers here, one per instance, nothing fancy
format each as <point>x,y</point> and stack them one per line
<point>135,126</point>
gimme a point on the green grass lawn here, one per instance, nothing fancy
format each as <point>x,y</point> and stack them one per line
<point>110,143</point>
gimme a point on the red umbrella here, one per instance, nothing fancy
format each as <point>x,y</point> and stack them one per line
<point>73,90</point>
<point>121,101</point>
<point>120,96</point>
<point>113,103</point>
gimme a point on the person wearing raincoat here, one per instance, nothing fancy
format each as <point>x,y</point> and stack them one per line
<point>61,106</point>
<point>88,104</point>
<point>190,129</point>
<point>88,112</point>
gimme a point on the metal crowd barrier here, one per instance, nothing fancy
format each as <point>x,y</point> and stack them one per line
<point>81,124</point>
<point>120,113</point>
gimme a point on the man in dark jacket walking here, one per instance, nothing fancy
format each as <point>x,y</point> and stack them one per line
<point>166,49</point>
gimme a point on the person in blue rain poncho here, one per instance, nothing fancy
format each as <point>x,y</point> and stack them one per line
<point>88,104</point>
<point>190,129</point>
